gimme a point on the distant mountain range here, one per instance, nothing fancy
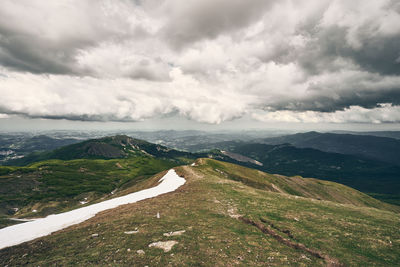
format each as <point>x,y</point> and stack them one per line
<point>368,163</point>
<point>390,134</point>
<point>120,146</point>
<point>372,147</point>
<point>361,164</point>
<point>17,146</point>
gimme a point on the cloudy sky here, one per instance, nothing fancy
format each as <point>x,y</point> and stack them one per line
<point>208,61</point>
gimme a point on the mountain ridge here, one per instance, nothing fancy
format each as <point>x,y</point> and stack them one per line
<point>373,147</point>
<point>219,219</point>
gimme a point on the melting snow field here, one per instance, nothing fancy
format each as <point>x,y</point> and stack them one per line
<point>17,234</point>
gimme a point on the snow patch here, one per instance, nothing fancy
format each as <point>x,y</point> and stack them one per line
<point>20,233</point>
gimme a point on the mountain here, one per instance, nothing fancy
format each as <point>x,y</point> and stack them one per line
<point>377,178</point>
<point>120,146</point>
<point>390,134</point>
<point>227,215</point>
<point>372,147</point>
<point>61,179</point>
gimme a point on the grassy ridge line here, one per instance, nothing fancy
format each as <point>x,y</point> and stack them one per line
<point>297,186</point>
<point>366,175</point>
<point>205,207</point>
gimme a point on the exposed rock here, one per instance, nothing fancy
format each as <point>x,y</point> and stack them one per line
<point>166,246</point>
<point>232,212</point>
<point>131,232</point>
<point>95,235</point>
<point>174,233</point>
<point>140,252</point>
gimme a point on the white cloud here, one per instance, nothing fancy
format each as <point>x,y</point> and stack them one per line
<point>383,114</point>
<point>210,61</point>
<point>117,99</point>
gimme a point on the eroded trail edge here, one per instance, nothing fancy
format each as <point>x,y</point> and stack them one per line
<point>331,262</point>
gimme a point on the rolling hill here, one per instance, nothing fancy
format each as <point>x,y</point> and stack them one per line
<point>227,215</point>
<point>377,178</point>
<point>81,173</point>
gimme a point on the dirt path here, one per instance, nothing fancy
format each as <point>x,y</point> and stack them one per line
<point>330,262</point>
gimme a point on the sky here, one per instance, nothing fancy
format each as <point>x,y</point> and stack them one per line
<point>200,64</point>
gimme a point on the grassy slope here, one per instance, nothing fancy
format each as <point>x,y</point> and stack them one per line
<point>298,186</point>
<point>204,206</point>
<point>368,176</point>
<point>53,186</point>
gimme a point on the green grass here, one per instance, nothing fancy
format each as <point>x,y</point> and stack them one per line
<point>54,185</point>
<point>355,235</point>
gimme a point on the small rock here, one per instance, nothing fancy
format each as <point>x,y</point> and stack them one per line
<point>158,215</point>
<point>166,246</point>
<point>140,252</point>
<point>95,235</point>
<point>131,232</point>
<point>305,257</point>
<point>174,233</point>
<point>296,219</point>
<point>128,250</point>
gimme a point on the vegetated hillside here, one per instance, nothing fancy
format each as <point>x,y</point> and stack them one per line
<point>296,185</point>
<point>229,215</point>
<point>120,146</point>
<point>52,186</point>
<point>377,178</point>
<point>372,147</point>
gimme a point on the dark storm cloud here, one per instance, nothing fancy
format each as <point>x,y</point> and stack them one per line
<point>209,60</point>
<point>377,54</point>
<point>324,102</point>
<point>193,21</point>
<point>24,53</point>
